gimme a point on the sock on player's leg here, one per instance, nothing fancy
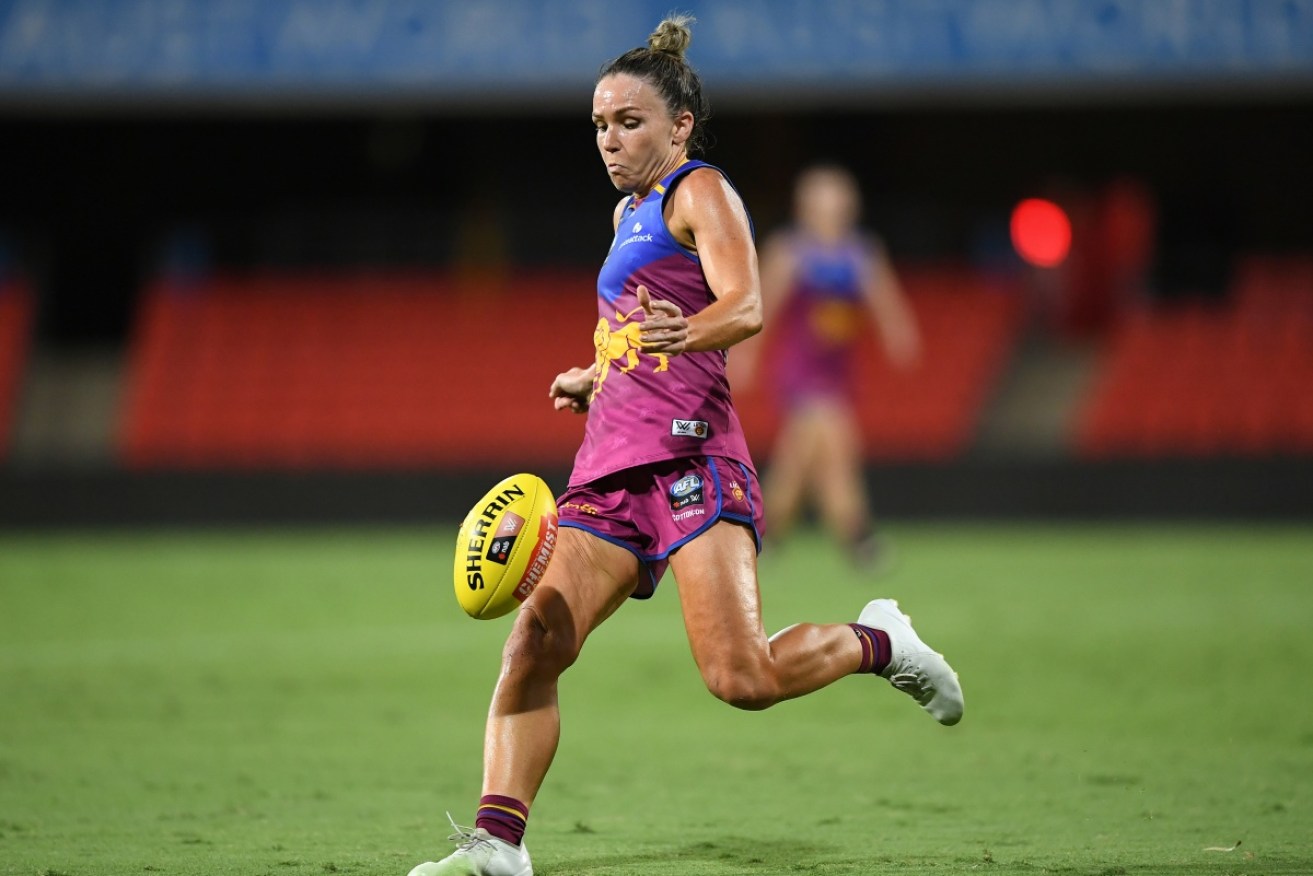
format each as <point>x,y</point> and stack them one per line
<point>876,652</point>
<point>503,817</point>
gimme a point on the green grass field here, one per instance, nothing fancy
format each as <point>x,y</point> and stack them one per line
<point>307,703</point>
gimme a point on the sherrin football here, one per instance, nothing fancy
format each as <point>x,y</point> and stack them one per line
<point>504,546</point>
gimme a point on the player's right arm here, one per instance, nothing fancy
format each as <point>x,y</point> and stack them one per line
<point>570,389</point>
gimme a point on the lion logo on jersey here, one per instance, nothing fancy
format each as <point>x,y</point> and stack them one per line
<point>835,323</point>
<point>623,346</point>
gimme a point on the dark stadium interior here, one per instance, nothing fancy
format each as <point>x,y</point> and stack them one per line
<point>95,203</point>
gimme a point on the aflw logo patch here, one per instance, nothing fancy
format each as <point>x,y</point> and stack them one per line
<point>690,428</point>
<point>499,549</point>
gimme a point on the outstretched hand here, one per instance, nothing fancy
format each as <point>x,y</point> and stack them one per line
<point>570,390</point>
<point>665,328</point>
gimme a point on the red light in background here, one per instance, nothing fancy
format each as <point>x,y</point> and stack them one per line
<point>1041,232</point>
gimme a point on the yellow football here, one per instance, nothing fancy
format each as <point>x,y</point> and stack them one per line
<point>504,546</point>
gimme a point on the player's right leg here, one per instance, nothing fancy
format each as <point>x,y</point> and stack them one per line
<point>786,483</point>
<point>840,485</point>
<point>587,580</point>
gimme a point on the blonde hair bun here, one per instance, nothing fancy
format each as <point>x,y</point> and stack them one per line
<point>672,35</point>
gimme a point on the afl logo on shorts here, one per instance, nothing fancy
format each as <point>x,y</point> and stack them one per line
<point>686,491</point>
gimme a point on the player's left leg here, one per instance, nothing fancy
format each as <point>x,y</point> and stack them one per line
<point>717,580</point>
<point>841,484</point>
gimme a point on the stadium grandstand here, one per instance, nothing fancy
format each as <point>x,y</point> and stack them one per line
<point>332,256</point>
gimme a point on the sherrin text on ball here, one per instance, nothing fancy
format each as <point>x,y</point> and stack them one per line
<point>504,546</point>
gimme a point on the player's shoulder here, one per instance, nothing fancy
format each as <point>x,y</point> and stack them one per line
<point>706,186</point>
<point>705,176</point>
<point>618,212</point>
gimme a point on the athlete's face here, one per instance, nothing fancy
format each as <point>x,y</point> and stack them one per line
<point>639,140</point>
<point>828,202</point>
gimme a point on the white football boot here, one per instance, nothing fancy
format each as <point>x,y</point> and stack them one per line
<point>478,853</point>
<point>916,669</point>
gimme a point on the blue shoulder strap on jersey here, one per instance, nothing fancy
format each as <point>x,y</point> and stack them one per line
<point>690,165</point>
<point>666,182</point>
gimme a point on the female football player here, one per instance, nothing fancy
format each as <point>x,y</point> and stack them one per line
<point>663,476</point>
<point>820,281</point>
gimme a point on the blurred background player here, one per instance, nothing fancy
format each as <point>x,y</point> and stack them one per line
<point>821,280</point>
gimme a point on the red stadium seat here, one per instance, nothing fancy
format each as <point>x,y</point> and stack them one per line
<point>1228,381</point>
<point>16,313</point>
<point>1275,286</point>
<point>969,327</point>
<point>394,370</point>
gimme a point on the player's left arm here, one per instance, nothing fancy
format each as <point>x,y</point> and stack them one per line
<point>709,218</point>
<point>900,335</point>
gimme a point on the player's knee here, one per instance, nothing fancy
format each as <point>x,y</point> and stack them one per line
<point>537,647</point>
<point>743,689</point>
